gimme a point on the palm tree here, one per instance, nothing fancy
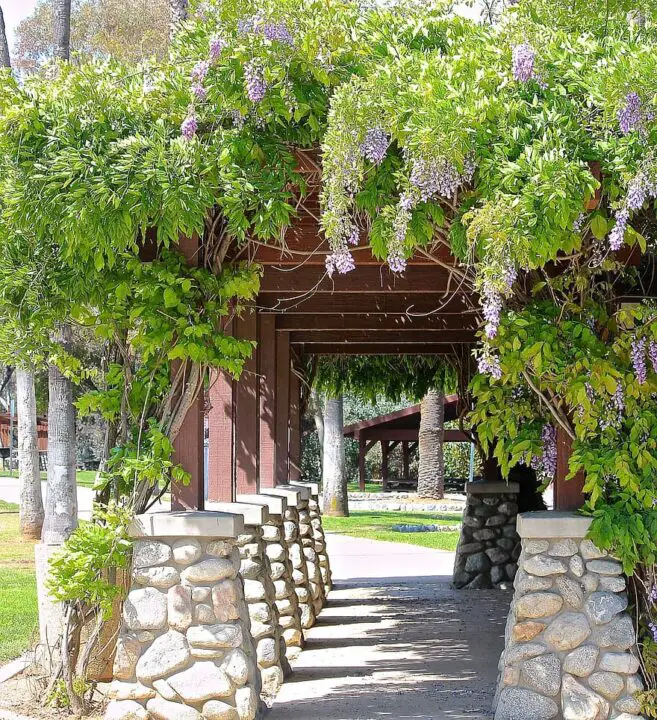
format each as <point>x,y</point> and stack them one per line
<point>62,28</point>
<point>5,59</point>
<point>336,501</point>
<point>31,503</point>
<point>431,471</point>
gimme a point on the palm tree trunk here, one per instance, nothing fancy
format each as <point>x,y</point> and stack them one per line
<point>61,516</point>
<point>31,503</point>
<point>5,58</point>
<point>336,501</point>
<point>431,472</point>
<point>62,28</point>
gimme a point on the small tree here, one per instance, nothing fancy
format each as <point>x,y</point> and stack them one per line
<point>336,500</point>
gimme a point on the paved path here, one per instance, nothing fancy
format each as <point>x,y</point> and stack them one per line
<point>396,641</point>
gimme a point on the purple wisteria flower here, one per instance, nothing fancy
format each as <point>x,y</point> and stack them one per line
<point>523,58</point>
<point>200,70</point>
<point>189,126</point>
<point>254,79</point>
<point>549,438</point>
<point>354,236</point>
<point>200,93</point>
<point>491,306</point>
<point>638,355</point>
<point>216,47</point>
<point>340,260</point>
<point>278,32</point>
<point>489,364</point>
<point>375,145</point>
<point>396,262</point>
<point>437,177</point>
<point>579,223</point>
<point>617,235</point>
<point>630,116</point>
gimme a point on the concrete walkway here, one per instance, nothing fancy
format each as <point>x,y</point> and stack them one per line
<point>396,641</point>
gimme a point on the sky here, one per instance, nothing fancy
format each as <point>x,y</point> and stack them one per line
<point>15,11</point>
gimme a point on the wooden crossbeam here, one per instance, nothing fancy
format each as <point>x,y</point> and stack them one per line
<point>365,279</point>
<point>335,337</point>
<point>366,348</point>
<point>401,323</point>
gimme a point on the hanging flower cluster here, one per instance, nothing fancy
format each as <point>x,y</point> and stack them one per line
<point>523,58</point>
<point>614,410</point>
<point>641,188</point>
<point>489,364</point>
<point>272,31</point>
<point>375,145</point>
<point>630,116</point>
<point>546,462</point>
<point>638,355</point>
<point>254,81</point>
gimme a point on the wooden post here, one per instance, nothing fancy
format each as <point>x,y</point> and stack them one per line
<point>294,452</point>
<point>384,465</point>
<point>282,425</point>
<point>246,413</point>
<point>361,463</point>
<point>406,458</point>
<point>568,494</point>
<point>267,399</point>
<point>221,418</point>
<point>188,446</point>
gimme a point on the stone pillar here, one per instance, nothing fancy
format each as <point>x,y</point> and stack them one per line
<point>185,651</point>
<point>308,589</point>
<point>570,642</point>
<point>314,535</point>
<point>260,596</point>
<point>276,550</point>
<point>489,546</point>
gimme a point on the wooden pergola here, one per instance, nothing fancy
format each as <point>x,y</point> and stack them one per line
<point>399,427</point>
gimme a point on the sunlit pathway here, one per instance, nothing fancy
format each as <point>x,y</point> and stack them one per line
<point>396,641</point>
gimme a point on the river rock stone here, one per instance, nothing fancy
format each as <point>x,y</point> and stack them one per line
<point>580,703</point>
<point>267,652</point>
<point>128,650</point>
<point>125,710</point>
<point>534,547</point>
<point>179,602</point>
<point>215,636</point>
<point>187,551</point>
<point>604,567</point>
<point>161,709</point>
<point>628,704</point>
<point>202,681</point>
<point>543,566</point>
<point>538,605</point>
<point>145,609</point>
<point>237,666</point>
<point>571,591</point>
<point>530,583</point>
<point>612,583</point>
<point>542,673</point>
<point>581,662</point>
<point>602,607</point>
<point>567,631</point>
<point>209,571</point>
<point>521,704</point>
<point>225,600</point>
<point>622,663</point>
<point>563,548</point>
<point>589,551</point>
<point>130,691</point>
<point>166,691</point>
<point>220,548</point>
<point>524,631</point>
<point>576,565</point>
<point>477,563</point>
<point>607,684</point>
<point>246,702</point>
<point>204,615</point>
<point>200,594</point>
<point>217,710</point>
<point>150,552</point>
<point>618,633</point>
<point>159,577</point>
<point>168,653</point>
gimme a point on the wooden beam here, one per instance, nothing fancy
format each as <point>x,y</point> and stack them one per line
<point>294,452</point>
<point>397,322</point>
<point>282,405</point>
<point>246,413</point>
<point>336,337</point>
<point>406,461</point>
<point>367,279</point>
<point>267,399</point>
<point>359,303</point>
<point>362,451</point>
<point>384,465</point>
<point>407,434</point>
<point>220,438</point>
<point>367,348</point>
<point>568,494</point>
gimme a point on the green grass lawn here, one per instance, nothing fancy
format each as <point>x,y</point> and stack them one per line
<point>377,526</point>
<point>86,478</point>
<point>370,487</point>
<point>19,618</point>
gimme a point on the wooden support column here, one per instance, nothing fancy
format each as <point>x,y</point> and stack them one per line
<point>406,455</point>
<point>221,447</point>
<point>294,452</point>
<point>384,465</point>
<point>246,413</point>
<point>267,399</point>
<point>362,451</point>
<point>282,425</point>
<point>188,445</point>
<point>568,494</point>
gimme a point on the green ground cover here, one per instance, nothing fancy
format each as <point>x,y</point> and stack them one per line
<point>85,478</point>
<point>370,487</point>
<point>18,601</point>
<point>378,526</point>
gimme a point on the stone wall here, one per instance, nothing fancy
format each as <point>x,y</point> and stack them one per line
<point>489,545</point>
<point>185,650</point>
<point>312,536</point>
<point>569,640</point>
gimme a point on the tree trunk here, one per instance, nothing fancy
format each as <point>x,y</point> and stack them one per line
<point>5,58</point>
<point>315,406</point>
<point>333,475</point>
<point>62,28</point>
<point>178,13</point>
<point>31,503</point>
<point>431,472</point>
<point>61,494</point>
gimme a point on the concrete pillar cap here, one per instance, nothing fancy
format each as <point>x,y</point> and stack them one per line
<point>294,495</point>
<point>193,523</point>
<point>312,486</point>
<point>481,487</point>
<point>275,505</point>
<point>545,524</point>
<point>252,514</point>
